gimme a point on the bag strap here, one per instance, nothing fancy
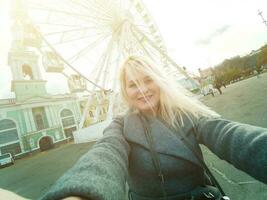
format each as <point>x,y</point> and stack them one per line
<point>153,153</point>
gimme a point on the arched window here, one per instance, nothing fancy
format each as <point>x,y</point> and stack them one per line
<point>67,118</point>
<point>9,136</point>
<point>8,131</point>
<point>65,113</point>
<point>39,122</point>
<point>68,122</point>
<point>27,72</point>
<point>40,118</point>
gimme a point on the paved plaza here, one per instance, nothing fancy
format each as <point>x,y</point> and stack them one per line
<point>244,101</point>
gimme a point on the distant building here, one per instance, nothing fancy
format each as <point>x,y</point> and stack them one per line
<point>206,80</point>
<point>34,119</point>
<point>189,84</point>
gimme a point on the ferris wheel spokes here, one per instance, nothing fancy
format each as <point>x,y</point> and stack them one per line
<point>92,37</point>
<point>83,17</point>
<point>87,49</point>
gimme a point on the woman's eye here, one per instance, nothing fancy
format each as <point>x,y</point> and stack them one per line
<point>148,81</point>
<point>132,85</point>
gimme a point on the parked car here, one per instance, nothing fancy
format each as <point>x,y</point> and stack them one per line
<point>6,159</point>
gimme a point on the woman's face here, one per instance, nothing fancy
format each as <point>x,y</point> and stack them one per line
<point>145,96</point>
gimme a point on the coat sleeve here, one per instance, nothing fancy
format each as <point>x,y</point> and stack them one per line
<point>100,173</point>
<point>242,145</point>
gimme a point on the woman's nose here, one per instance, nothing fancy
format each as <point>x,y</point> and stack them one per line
<point>143,88</point>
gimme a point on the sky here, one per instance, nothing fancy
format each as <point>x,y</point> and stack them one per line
<point>201,34</point>
<point>197,34</point>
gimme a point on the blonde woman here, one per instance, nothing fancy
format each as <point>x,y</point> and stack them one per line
<point>154,147</point>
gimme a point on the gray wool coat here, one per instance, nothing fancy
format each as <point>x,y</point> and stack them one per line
<point>123,155</point>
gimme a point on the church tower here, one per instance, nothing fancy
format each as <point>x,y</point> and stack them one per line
<point>23,60</point>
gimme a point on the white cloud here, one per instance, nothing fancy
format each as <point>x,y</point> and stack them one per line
<point>183,23</point>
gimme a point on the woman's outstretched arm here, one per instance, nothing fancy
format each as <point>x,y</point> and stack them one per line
<point>100,173</point>
<point>243,145</point>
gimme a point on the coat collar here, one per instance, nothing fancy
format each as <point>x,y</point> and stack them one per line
<point>166,141</point>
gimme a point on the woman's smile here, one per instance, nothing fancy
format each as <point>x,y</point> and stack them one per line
<point>145,98</point>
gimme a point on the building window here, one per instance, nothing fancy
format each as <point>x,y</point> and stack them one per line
<point>39,122</point>
<point>8,131</point>
<point>68,122</point>
<point>66,113</point>
<point>40,118</point>
<point>11,148</point>
<point>67,118</point>
<point>9,135</point>
<point>27,72</point>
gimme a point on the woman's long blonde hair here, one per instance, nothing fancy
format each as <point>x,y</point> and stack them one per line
<point>174,99</point>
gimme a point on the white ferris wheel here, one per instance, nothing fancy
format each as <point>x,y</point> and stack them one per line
<point>86,40</point>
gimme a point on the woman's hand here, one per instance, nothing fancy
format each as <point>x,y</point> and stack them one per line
<point>8,195</point>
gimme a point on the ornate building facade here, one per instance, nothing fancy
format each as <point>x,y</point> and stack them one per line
<point>36,120</point>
